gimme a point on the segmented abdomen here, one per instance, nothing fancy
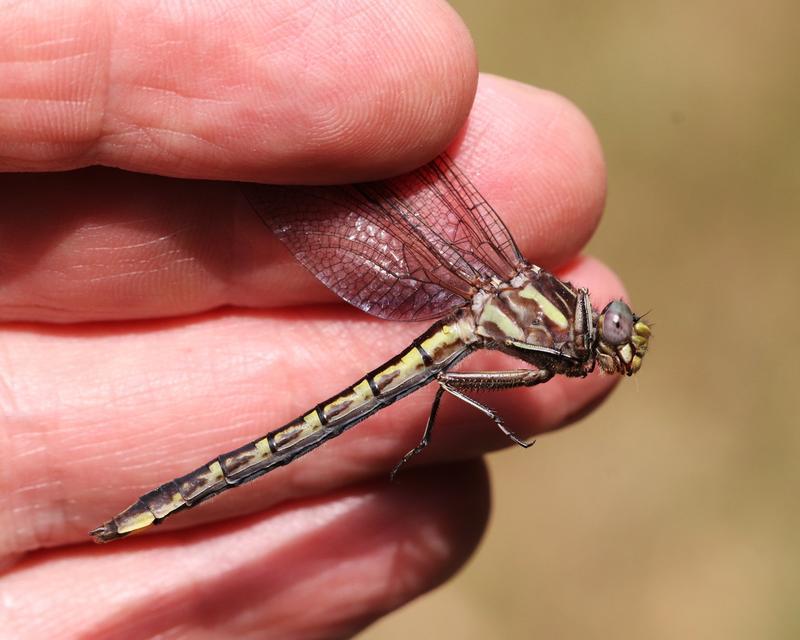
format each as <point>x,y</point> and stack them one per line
<point>437,349</point>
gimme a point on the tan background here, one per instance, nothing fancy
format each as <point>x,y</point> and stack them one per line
<point>673,511</point>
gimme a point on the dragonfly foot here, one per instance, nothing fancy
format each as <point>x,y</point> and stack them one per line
<point>517,440</point>
<point>104,533</point>
<point>406,458</point>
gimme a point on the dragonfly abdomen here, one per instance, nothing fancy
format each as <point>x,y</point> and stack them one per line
<point>437,349</point>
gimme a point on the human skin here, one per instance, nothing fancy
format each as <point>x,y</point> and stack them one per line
<point>150,322</point>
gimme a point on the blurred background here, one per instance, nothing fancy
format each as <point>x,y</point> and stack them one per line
<point>673,511</point>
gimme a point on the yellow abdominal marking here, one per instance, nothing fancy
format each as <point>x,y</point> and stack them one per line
<point>410,362</point>
<point>312,420</point>
<point>262,446</point>
<point>439,340</point>
<point>216,472</point>
<point>176,501</point>
<point>288,434</point>
<point>355,397</point>
<point>139,521</point>
<point>548,308</point>
<point>347,399</point>
<point>363,391</point>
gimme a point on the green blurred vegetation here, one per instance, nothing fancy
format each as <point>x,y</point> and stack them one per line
<point>671,512</point>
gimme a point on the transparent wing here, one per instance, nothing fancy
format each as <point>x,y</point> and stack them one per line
<point>410,248</point>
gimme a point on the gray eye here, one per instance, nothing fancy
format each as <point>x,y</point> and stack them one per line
<point>617,323</point>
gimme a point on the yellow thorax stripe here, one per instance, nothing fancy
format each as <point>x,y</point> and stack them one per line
<point>548,308</point>
<point>492,314</point>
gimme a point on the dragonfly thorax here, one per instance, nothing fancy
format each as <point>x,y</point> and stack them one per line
<point>537,318</point>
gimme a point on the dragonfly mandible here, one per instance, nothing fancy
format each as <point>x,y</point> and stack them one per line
<point>425,245</point>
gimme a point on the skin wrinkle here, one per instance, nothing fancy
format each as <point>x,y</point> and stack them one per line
<point>171,92</point>
<point>101,57</point>
<point>159,265</point>
<point>107,136</point>
<point>23,532</point>
<point>151,243</point>
<point>8,406</point>
<point>195,102</point>
<point>159,269</point>
<point>57,55</point>
<point>156,143</point>
<point>27,101</point>
<point>49,518</point>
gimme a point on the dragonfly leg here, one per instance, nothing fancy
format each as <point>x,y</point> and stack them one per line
<point>494,380</point>
<point>473,381</point>
<point>426,436</point>
<point>454,383</point>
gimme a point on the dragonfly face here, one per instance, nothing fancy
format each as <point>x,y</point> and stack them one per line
<point>422,246</point>
<point>622,339</point>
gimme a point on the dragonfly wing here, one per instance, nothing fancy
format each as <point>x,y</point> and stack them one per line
<point>410,248</point>
<point>461,227</point>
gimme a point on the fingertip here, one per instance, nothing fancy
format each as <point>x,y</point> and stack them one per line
<point>599,278</point>
<point>378,110</point>
<point>540,164</point>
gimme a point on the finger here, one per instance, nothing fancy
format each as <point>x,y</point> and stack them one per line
<point>97,415</point>
<point>276,91</point>
<point>102,245</point>
<point>323,568</point>
<point>538,160</point>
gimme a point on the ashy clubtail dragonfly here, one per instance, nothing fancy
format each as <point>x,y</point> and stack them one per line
<point>421,246</point>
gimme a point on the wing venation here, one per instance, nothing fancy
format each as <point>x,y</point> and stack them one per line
<point>409,248</point>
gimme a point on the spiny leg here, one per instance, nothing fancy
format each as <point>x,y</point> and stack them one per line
<point>477,380</point>
<point>426,436</point>
<point>495,380</point>
<point>453,383</point>
<point>495,417</point>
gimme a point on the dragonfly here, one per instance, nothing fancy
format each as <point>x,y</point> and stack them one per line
<point>425,245</point>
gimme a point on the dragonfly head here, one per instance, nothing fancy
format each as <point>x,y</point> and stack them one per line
<point>622,339</point>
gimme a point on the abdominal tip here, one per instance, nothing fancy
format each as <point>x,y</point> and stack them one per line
<point>104,533</point>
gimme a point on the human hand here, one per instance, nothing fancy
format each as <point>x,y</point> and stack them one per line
<point>151,321</point>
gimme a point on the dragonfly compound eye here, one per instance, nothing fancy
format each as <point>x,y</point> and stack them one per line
<point>617,324</point>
